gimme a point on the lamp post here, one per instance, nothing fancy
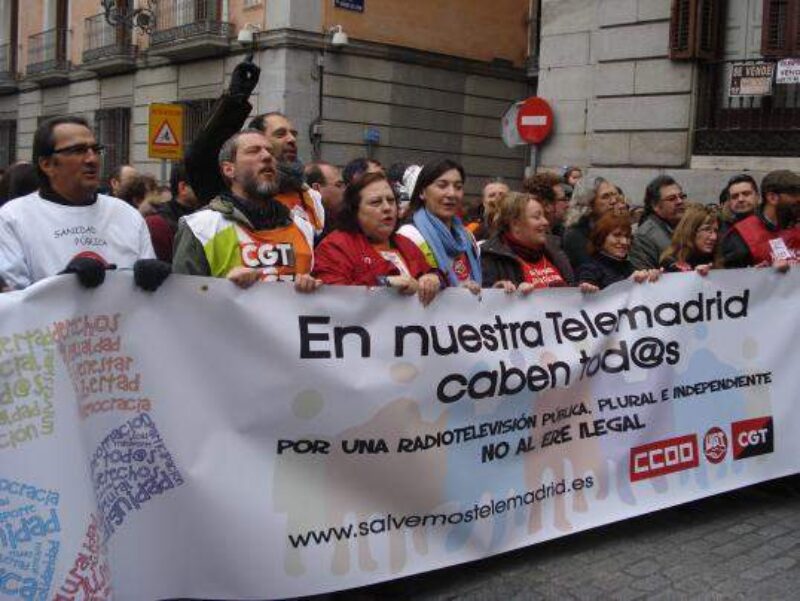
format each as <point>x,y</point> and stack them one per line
<point>118,14</point>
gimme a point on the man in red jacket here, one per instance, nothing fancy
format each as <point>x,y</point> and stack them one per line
<point>772,235</point>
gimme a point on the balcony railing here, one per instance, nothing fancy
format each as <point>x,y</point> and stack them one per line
<point>47,51</point>
<point>8,65</point>
<point>767,125</point>
<point>103,41</point>
<point>185,19</point>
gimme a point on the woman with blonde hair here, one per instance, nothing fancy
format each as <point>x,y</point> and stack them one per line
<point>520,255</point>
<point>695,242</point>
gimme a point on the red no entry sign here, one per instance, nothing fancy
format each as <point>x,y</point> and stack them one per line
<point>534,120</point>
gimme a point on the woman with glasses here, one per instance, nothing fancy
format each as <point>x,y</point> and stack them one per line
<point>694,245</point>
<point>590,201</point>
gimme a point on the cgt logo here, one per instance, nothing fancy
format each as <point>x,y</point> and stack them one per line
<point>267,255</point>
<point>664,457</point>
<point>752,437</point>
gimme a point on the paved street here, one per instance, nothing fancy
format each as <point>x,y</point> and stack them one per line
<point>744,544</point>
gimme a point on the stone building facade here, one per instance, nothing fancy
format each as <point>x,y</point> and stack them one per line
<point>628,111</point>
<point>416,80</point>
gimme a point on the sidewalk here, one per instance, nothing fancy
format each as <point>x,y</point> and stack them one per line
<point>741,545</point>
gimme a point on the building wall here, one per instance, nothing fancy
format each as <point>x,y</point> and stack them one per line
<point>421,113</point>
<point>79,11</point>
<point>423,104</point>
<point>622,108</point>
<point>243,12</point>
<point>482,30</point>
<point>31,21</point>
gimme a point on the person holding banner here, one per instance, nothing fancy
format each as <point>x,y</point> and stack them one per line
<point>589,202</point>
<point>66,226</point>
<point>520,255</point>
<point>365,249</point>
<point>772,235</point>
<point>246,234</point>
<point>436,228</point>
<point>694,243</point>
<point>609,245</point>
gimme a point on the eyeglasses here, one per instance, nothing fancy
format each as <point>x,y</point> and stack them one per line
<point>675,197</point>
<point>81,149</point>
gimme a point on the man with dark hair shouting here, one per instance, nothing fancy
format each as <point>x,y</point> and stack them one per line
<point>228,117</point>
<point>246,234</point>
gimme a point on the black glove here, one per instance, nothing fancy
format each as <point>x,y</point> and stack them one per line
<point>244,78</point>
<point>149,274</point>
<point>91,272</point>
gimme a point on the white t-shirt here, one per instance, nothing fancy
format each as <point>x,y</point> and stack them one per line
<point>39,237</point>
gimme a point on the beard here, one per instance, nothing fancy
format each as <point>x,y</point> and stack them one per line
<point>291,176</point>
<point>788,214</point>
<point>260,190</point>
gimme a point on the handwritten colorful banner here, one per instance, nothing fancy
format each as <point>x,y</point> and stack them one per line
<point>209,442</point>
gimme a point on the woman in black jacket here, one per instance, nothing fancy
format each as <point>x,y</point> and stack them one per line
<point>520,255</point>
<point>590,201</point>
<point>609,244</point>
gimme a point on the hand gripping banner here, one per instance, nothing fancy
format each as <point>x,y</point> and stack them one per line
<point>209,442</point>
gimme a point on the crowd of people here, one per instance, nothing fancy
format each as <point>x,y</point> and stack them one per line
<point>243,207</point>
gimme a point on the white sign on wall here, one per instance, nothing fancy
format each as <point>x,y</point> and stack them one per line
<point>788,71</point>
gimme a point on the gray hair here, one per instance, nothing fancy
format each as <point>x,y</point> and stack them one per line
<point>227,154</point>
<point>583,196</point>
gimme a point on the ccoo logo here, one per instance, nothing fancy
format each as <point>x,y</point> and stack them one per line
<point>664,457</point>
<point>752,437</point>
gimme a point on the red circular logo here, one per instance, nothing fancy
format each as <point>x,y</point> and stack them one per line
<point>715,445</point>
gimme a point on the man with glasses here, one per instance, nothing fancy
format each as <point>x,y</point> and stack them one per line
<point>771,236</point>
<point>66,226</point>
<point>664,205</point>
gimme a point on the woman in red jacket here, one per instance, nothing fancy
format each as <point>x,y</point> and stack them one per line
<point>365,249</point>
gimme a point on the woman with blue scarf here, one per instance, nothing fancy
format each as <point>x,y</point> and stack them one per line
<point>436,228</point>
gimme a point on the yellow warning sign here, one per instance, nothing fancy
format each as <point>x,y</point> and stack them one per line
<point>165,132</point>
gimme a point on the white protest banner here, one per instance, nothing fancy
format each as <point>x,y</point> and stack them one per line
<point>204,441</point>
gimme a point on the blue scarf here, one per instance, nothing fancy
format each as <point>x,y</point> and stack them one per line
<point>447,243</point>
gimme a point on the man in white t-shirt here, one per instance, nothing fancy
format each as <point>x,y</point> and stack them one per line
<point>66,227</point>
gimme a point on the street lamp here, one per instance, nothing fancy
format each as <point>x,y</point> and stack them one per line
<point>144,19</point>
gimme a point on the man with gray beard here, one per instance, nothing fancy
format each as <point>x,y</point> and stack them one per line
<point>246,234</point>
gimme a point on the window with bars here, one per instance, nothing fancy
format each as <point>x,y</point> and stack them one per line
<point>8,142</point>
<point>195,115</point>
<point>780,32</point>
<point>113,130</point>
<point>695,29</point>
